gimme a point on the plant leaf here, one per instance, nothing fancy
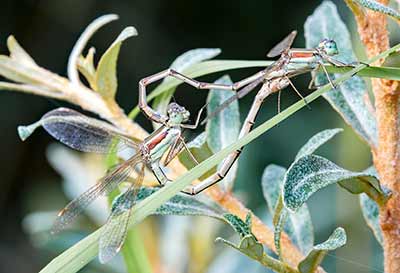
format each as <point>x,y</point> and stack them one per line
<point>315,257</point>
<point>76,257</point>
<point>370,212</point>
<point>106,74</point>
<point>200,150</point>
<point>317,141</point>
<point>298,225</point>
<point>378,7</point>
<point>224,128</point>
<point>181,63</point>
<point>240,226</point>
<point>18,54</point>
<point>312,173</point>
<point>349,98</point>
<point>182,205</point>
<point>86,67</point>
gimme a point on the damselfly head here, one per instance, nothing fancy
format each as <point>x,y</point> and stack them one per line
<point>329,47</point>
<point>177,114</point>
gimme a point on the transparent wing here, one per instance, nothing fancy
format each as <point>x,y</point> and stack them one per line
<point>116,228</point>
<point>80,132</point>
<point>105,184</point>
<point>282,45</point>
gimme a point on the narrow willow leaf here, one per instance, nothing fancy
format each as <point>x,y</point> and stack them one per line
<point>378,7</point>
<point>315,257</point>
<point>18,53</point>
<point>298,225</point>
<point>79,46</point>
<point>19,72</point>
<point>241,227</point>
<point>312,173</point>
<point>181,205</point>
<point>106,74</point>
<point>370,212</point>
<point>86,67</point>
<point>200,150</point>
<point>349,98</point>
<point>224,128</point>
<point>76,257</point>
<point>181,63</point>
<point>317,141</point>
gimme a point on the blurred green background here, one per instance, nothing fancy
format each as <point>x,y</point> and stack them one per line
<point>243,30</point>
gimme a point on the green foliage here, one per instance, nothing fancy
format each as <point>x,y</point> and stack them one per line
<point>243,228</point>
<point>200,150</point>
<point>106,74</point>
<point>370,212</point>
<point>315,257</point>
<point>312,173</point>
<point>224,128</point>
<point>317,141</point>
<point>298,225</point>
<point>182,205</point>
<point>349,97</point>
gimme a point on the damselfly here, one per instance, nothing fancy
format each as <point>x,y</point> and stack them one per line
<point>92,135</point>
<point>292,62</point>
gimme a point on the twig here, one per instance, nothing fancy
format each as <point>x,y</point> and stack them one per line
<point>372,27</point>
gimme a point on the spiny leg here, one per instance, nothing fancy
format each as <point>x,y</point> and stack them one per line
<point>231,159</point>
<point>160,118</point>
<point>298,92</point>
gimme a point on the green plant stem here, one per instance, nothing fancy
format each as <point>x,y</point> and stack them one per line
<point>76,257</point>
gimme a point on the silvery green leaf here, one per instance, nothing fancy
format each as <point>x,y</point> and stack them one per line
<point>200,150</point>
<point>223,129</point>
<point>349,98</point>
<point>315,257</point>
<point>181,205</point>
<point>181,63</point>
<point>370,212</point>
<point>106,74</point>
<point>240,226</point>
<point>317,141</point>
<point>378,7</point>
<point>18,54</point>
<point>312,173</point>
<point>298,225</point>
<point>14,70</point>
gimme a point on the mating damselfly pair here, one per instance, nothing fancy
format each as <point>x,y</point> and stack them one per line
<point>163,145</point>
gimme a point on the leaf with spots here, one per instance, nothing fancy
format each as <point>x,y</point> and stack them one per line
<point>298,225</point>
<point>350,99</point>
<point>312,173</point>
<point>370,211</point>
<point>181,205</point>
<point>315,257</point>
<point>317,141</point>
